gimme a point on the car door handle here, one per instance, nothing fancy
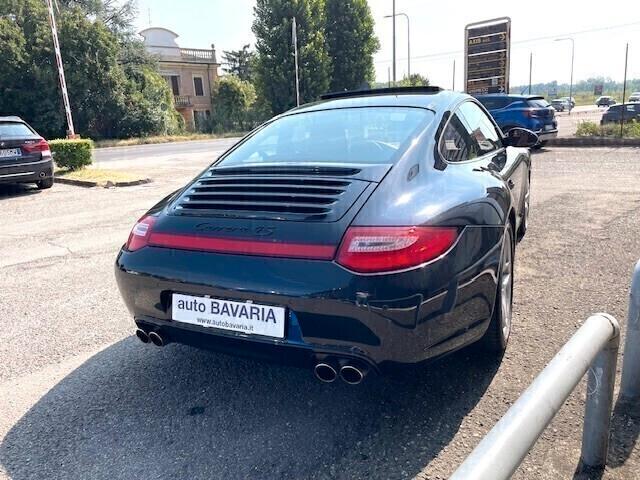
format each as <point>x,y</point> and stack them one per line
<point>511,184</point>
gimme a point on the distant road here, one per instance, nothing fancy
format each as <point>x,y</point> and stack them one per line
<point>145,152</point>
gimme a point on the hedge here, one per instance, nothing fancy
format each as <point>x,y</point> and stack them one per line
<point>631,129</point>
<point>72,154</point>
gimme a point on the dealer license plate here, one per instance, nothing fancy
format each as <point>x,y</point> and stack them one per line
<point>243,317</point>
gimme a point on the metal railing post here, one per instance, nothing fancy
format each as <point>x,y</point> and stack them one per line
<point>630,385</point>
<point>502,450</point>
<point>599,403</point>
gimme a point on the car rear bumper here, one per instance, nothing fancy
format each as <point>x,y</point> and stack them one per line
<point>26,171</point>
<point>545,135</point>
<point>404,317</point>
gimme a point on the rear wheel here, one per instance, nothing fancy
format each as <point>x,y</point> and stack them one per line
<point>497,336</point>
<point>526,202</point>
<point>44,184</point>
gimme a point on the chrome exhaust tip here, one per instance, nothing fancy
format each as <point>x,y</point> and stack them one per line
<point>156,339</point>
<point>325,372</point>
<point>142,335</point>
<point>351,375</point>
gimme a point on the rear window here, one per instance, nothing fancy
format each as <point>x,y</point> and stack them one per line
<point>495,103</point>
<point>614,108</point>
<point>538,103</point>
<point>15,130</point>
<point>347,135</point>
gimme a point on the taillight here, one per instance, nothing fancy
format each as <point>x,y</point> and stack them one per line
<point>384,249</point>
<point>40,146</point>
<point>139,236</point>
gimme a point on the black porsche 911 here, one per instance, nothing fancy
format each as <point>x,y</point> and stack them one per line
<point>367,229</point>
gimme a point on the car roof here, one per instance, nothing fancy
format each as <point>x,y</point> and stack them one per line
<point>431,98</point>
<point>11,118</point>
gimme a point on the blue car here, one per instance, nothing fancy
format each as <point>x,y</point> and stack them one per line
<point>531,112</point>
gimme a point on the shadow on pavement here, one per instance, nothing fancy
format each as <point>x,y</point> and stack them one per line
<point>135,412</point>
<point>17,190</point>
<point>625,429</point>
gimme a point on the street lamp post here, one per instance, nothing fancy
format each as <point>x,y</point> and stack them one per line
<point>408,39</point>
<point>571,81</point>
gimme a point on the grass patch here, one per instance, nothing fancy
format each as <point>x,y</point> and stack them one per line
<point>591,129</point>
<point>102,177</point>
<point>127,142</point>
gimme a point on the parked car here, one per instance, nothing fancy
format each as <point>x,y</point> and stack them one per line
<point>605,101</point>
<point>634,97</point>
<point>24,155</point>
<point>560,105</point>
<point>614,113</point>
<point>338,238</point>
<point>531,112</point>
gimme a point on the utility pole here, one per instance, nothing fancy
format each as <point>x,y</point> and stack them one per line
<point>624,90</point>
<point>71,133</point>
<point>530,68</point>
<point>294,36</point>
<point>453,82</point>
<point>393,20</point>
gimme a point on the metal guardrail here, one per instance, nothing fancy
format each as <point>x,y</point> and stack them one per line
<point>630,383</point>
<point>593,349</point>
<point>595,344</point>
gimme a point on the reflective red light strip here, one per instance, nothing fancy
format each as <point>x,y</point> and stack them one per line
<point>242,247</point>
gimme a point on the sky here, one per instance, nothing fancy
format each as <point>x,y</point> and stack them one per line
<point>437,34</point>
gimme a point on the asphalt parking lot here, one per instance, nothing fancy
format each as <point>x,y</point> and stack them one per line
<point>81,398</point>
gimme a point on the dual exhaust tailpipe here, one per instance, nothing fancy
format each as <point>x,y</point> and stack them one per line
<point>349,373</point>
<point>153,337</point>
<point>325,372</point>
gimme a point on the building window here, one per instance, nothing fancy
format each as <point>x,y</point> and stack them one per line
<point>198,86</point>
<point>174,83</point>
<point>201,120</point>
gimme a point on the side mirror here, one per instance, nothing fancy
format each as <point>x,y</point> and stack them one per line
<point>521,137</point>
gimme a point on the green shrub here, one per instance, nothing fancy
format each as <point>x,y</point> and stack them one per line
<point>71,154</point>
<point>590,129</point>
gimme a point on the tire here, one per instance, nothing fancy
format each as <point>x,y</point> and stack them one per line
<point>526,204</point>
<point>44,184</point>
<point>496,338</point>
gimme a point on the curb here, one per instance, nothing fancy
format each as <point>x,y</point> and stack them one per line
<point>88,184</point>
<point>593,142</point>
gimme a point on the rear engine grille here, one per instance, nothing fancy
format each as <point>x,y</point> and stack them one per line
<point>287,193</point>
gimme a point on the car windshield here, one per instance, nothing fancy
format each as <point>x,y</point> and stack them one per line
<point>346,135</point>
<point>15,130</point>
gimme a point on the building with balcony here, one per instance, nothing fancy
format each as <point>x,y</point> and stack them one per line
<point>189,72</point>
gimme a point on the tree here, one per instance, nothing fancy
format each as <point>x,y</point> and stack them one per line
<point>414,80</point>
<point>239,63</point>
<point>233,100</point>
<point>275,71</point>
<point>113,87</point>
<point>351,43</point>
